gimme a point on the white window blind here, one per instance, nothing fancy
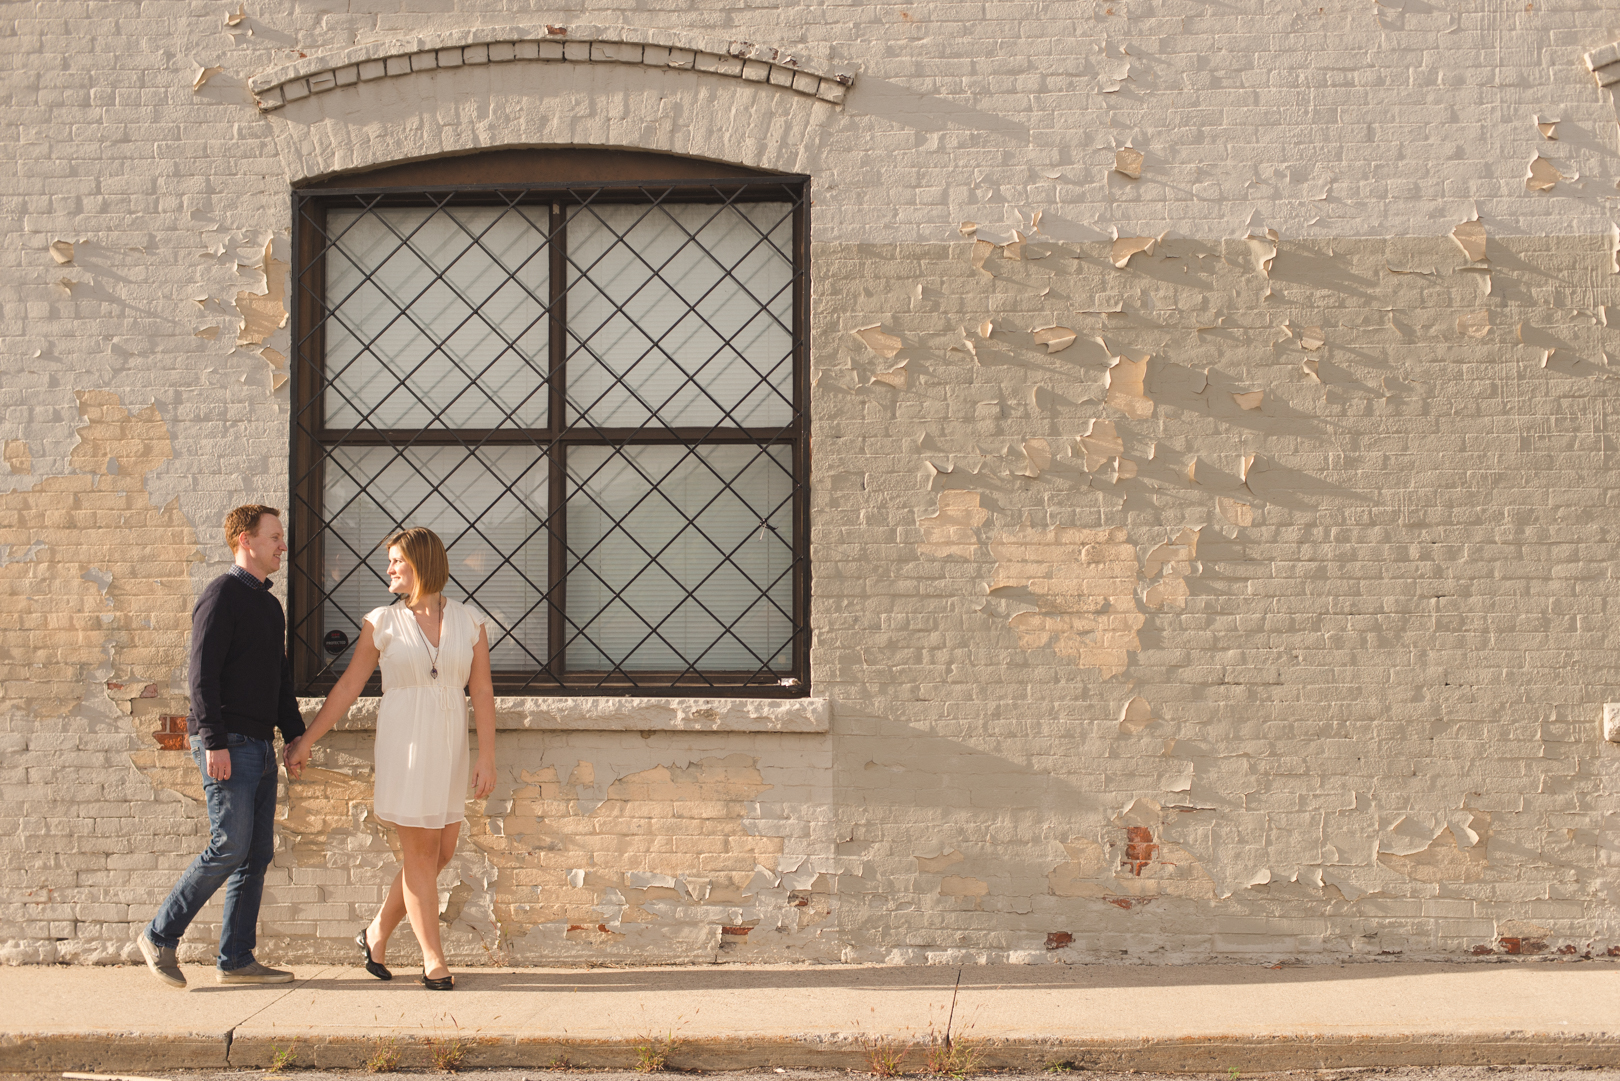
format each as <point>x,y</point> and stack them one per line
<point>684,311</point>
<point>437,312</point>
<point>679,555</point>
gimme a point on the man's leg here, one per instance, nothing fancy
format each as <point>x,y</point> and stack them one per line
<point>245,888</point>
<point>239,931</point>
<point>230,823</point>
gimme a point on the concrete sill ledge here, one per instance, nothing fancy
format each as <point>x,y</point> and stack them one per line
<point>624,714</point>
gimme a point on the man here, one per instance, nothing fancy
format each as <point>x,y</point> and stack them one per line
<point>241,692</point>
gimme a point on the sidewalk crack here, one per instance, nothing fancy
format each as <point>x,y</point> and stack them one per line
<point>230,1034</point>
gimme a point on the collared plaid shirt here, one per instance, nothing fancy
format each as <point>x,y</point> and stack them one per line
<point>248,579</point>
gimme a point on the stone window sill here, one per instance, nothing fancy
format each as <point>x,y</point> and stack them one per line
<point>581,714</point>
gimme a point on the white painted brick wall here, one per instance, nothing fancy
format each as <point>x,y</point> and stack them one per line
<point>1419,621</point>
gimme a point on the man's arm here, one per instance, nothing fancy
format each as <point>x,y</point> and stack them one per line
<point>211,630</point>
<point>288,719</point>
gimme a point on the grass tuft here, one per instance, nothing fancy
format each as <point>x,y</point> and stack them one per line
<point>447,1055</point>
<point>653,1056</point>
<point>384,1057</point>
<point>885,1058</point>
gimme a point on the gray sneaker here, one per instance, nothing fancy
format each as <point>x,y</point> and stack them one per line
<point>253,972</point>
<point>160,959</point>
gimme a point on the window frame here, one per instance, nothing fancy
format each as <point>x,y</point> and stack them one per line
<point>311,442</point>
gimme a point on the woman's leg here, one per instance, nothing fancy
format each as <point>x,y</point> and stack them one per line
<point>428,851</point>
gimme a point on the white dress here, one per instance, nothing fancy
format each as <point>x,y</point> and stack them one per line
<point>421,777</point>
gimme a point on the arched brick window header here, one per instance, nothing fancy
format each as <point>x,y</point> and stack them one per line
<point>745,60</point>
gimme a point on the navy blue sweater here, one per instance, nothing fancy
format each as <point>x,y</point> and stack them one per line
<point>240,678</point>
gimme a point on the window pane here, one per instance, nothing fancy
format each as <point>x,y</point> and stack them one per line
<point>680,556</point>
<point>683,311</point>
<point>372,491</point>
<point>437,312</point>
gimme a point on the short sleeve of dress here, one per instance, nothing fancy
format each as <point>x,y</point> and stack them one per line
<point>383,632</point>
<point>475,621</point>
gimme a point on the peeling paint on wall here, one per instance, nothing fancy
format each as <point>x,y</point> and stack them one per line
<point>116,571</point>
<point>1081,584</point>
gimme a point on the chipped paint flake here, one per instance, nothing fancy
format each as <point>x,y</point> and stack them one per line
<point>1128,162</point>
<point>1250,400</point>
<point>62,252</point>
<point>203,75</point>
<point>951,531</point>
<point>264,312</point>
<point>1127,246</point>
<point>1037,458</point>
<point>1542,176</point>
<point>1264,251</point>
<point>880,341</point>
<point>981,252</point>
<point>1136,715</point>
<point>1125,379</point>
<point>1100,443</point>
<point>1470,237</point>
<point>1234,511</point>
<point>1056,339</point>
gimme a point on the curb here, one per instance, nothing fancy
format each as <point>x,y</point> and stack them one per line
<point>133,1051</point>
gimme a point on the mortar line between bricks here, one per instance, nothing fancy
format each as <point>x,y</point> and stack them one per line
<point>230,1033</point>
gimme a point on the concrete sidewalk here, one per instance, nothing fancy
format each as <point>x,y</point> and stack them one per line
<point>1206,1018</point>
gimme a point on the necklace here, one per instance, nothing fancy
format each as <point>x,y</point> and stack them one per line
<point>434,671</point>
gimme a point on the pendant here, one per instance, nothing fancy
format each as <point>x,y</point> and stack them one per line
<point>434,672</point>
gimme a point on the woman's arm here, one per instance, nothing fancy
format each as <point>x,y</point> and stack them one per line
<point>338,700</point>
<point>482,689</point>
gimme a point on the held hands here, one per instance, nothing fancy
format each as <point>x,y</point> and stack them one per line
<point>483,781</point>
<point>296,754</point>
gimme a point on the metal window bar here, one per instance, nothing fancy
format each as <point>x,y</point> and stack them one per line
<point>569,425</point>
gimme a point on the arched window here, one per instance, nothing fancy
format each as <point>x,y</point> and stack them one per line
<point>587,372</point>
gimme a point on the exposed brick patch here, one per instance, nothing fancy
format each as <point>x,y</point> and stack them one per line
<point>1139,848</point>
<point>1525,946</point>
<point>744,60</point>
<point>1056,940</point>
<point>171,733</point>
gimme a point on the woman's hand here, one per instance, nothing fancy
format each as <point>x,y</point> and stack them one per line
<point>297,754</point>
<point>483,781</point>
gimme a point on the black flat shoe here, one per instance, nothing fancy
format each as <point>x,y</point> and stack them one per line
<point>376,968</point>
<point>442,983</point>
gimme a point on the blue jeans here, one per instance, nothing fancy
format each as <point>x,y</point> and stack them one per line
<point>241,820</point>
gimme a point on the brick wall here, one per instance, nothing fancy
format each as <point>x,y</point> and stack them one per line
<point>1209,562</point>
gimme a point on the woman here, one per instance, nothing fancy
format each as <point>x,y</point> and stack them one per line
<point>431,648</point>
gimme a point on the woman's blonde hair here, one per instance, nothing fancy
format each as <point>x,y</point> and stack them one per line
<point>424,551</point>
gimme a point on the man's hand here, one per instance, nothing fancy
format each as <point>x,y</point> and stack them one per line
<point>219,764</point>
<point>295,754</point>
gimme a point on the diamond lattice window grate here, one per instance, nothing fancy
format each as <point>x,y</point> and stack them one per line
<point>594,394</point>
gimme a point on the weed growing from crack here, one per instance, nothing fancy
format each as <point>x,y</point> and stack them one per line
<point>952,1057</point>
<point>281,1058</point>
<point>653,1055</point>
<point>885,1058</point>
<point>447,1055</point>
<point>384,1057</point>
